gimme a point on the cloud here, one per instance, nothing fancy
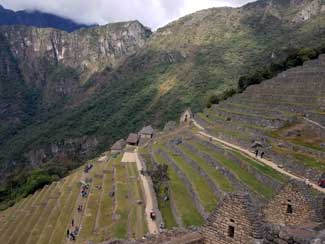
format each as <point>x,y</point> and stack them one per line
<point>153,13</point>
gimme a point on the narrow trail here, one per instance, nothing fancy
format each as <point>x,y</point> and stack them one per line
<point>153,226</point>
<point>252,156</point>
<point>314,123</point>
<point>78,216</point>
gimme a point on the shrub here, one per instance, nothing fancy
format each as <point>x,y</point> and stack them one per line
<point>215,99</point>
<point>295,58</point>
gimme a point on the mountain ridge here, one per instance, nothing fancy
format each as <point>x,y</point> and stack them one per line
<point>181,65</point>
<point>38,19</point>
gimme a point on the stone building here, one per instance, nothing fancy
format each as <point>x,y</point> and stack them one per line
<point>146,132</point>
<point>234,221</point>
<point>133,139</point>
<point>118,146</point>
<point>186,117</point>
<point>293,205</point>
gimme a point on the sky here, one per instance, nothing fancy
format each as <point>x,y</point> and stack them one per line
<point>152,13</point>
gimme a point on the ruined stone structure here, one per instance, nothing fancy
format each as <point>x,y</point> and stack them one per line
<point>293,205</point>
<point>293,216</point>
<point>234,221</point>
<point>186,117</point>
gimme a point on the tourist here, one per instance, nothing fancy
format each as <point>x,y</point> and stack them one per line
<point>256,153</point>
<point>68,233</point>
<point>72,222</point>
<point>262,154</point>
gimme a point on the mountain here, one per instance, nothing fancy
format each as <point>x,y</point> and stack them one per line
<point>197,176</point>
<point>38,19</point>
<point>88,88</point>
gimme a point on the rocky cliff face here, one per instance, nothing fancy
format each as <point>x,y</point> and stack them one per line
<point>86,51</point>
<point>107,81</point>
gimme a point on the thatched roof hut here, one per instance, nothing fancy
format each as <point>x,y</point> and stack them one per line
<point>147,131</point>
<point>133,139</point>
<point>119,145</point>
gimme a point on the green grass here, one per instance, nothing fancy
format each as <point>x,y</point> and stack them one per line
<point>106,205</point>
<point>138,217</point>
<point>65,212</point>
<point>201,187</point>
<point>164,206</point>
<point>36,224</point>
<point>16,219</point>
<point>214,174</point>
<point>242,174</point>
<point>306,160</point>
<point>53,217</point>
<point>184,203</point>
<point>89,219</point>
<point>22,229</point>
<point>120,227</point>
<point>264,169</point>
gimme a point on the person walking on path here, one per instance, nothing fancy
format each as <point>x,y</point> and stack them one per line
<point>262,154</point>
<point>72,222</point>
<point>68,233</point>
<point>256,153</point>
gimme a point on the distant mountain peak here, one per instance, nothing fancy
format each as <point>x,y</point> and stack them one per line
<point>37,18</point>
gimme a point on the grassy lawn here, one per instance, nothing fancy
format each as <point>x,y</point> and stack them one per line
<point>53,217</point>
<point>65,212</point>
<point>89,219</point>
<point>5,215</point>
<point>16,221</point>
<point>264,169</point>
<point>138,218</point>
<point>242,174</point>
<point>201,187</point>
<point>22,229</point>
<point>43,220</point>
<point>106,205</point>
<point>164,206</point>
<point>305,159</point>
<point>214,174</point>
<point>120,227</point>
<point>12,213</point>
<point>184,203</point>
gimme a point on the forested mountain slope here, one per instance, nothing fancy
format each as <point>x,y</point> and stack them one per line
<point>95,85</point>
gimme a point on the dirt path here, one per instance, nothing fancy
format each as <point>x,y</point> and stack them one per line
<point>314,123</point>
<point>78,216</point>
<point>252,155</point>
<point>153,226</point>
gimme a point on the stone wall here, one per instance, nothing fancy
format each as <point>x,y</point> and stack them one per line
<point>293,205</point>
<point>234,221</point>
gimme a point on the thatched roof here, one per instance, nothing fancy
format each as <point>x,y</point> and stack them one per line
<point>119,145</point>
<point>148,130</point>
<point>133,138</point>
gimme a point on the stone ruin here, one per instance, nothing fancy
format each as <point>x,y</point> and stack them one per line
<point>293,216</point>
<point>234,221</point>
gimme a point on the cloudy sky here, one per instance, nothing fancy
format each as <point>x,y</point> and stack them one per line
<point>153,13</point>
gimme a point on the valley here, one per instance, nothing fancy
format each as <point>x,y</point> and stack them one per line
<point>235,150</point>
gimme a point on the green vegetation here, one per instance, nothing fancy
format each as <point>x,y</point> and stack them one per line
<point>242,174</point>
<point>189,214</point>
<point>295,58</point>
<point>214,174</point>
<point>202,60</point>
<point>201,187</point>
<point>272,173</point>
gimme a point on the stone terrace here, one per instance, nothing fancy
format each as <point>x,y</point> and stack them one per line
<point>286,114</point>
